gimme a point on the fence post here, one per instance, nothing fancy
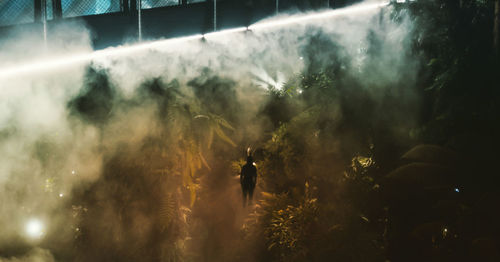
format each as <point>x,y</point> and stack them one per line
<point>215,15</point>
<point>44,20</point>
<point>139,19</point>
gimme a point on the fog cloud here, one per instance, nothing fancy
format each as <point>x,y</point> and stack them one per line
<point>113,156</point>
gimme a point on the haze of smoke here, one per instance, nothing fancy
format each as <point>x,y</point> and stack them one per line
<point>34,255</point>
<point>116,124</point>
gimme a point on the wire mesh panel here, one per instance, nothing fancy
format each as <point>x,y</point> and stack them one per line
<point>72,8</point>
<point>16,12</point>
<point>147,4</point>
<point>49,9</point>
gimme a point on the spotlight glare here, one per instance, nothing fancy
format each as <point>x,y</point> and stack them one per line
<point>34,228</point>
<point>322,15</point>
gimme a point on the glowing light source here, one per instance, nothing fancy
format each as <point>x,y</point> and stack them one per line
<point>73,172</point>
<point>445,232</point>
<point>61,194</point>
<point>457,190</point>
<point>34,228</point>
<point>265,81</point>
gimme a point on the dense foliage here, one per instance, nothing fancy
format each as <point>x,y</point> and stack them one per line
<point>326,171</point>
<point>357,161</point>
<point>335,183</point>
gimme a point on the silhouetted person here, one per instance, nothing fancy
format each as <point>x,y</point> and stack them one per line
<point>248,180</point>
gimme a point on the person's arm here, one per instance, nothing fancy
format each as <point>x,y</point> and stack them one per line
<point>241,175</point>
<point>255,177</point>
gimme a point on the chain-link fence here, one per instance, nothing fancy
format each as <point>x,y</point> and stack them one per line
<point>72,8</point>
<point>26,11</point>
<point>16,12</point>
<point>49,8</point>
<point>147,4</point>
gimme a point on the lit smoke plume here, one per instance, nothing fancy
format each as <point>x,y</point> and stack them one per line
<point>91,164</point>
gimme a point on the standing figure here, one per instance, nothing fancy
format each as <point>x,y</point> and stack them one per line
<point>248,180</point>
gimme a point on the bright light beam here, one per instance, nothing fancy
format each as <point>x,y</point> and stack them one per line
<point>44,65</point>
<point>323,15</point>
<point>58,62</point>
<point>225,32</point>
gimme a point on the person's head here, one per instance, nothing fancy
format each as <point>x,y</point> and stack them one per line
<point>249,159</point>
